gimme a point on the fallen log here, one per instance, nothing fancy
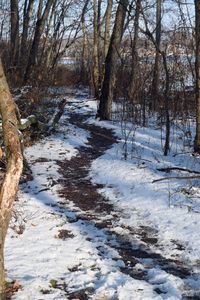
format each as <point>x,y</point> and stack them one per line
<point>57,115</point>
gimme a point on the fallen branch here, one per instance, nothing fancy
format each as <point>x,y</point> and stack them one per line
<point>176,177</point>
<point>177,169</point>
<point>140,158</point>
<point>58,114</point>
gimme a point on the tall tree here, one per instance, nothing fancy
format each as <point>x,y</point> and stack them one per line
<point>107,26</point>
<point>134,67</point>
<point>84,71</point>
<point>106,97</point>
<point>14,32</point>
<point>39,29</point>
<point>95,68</point>
<point>166,94</point>
<point>197,37</point>
<point>13,167</point>
<point>27,12</point>
<point>155,81</point>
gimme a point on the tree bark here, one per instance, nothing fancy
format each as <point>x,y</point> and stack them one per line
<point>155,81</point>
<point>134,67</point>
<point>28,9</point>
<point>107,27</point>
<point>84,59</point>
<point>106,97</point>
<point>14,33</point>
<point>95,68</point>
<point>14,165</point>
<point>40,25</point>
<point>197,29</point>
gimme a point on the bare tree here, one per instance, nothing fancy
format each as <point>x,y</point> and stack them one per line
<point>85,50</point>
<point>14,160</point>
<point>156,76</point>
<point>95,68</point>
<point>107,26</point>
<point>197,37</point>
<point>166,93</point>
<point>134,67</point>
<point>27,12</point>
<point>106,97</point>
<point>14,36</point>
<point>39,29</point>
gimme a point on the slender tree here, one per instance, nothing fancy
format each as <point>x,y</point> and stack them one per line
<point>134,67</point>
<point>95,68</point>
<point>156,76</point>
<point>39,29</point>
<point>14,32</point>
<point>84,59</point>
<point>197,37</point>
<point>27,12</point>
<point>106,97</point>
<point>163,54</point>
<point>107,26</point>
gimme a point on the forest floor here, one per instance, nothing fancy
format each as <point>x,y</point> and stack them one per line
<point>92,225</point>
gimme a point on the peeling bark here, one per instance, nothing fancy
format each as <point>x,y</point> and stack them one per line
<point>14,165</point>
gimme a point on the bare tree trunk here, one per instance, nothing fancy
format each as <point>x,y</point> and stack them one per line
<point>155,81</point>
<point>84,60</point>
<point>163,54</point>
<point>39,29</point>
<point>106,97</point>
<point>167,99</point>
<point>14,165</point>
<point>134,68</point>
<point>28,10</point>
<point>45,52</point>
<point>107,27</point>
<point>14,34</point>
<point>95,68</point>
<point>197,27</point>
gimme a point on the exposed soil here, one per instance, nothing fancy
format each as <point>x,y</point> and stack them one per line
<point>93,207</point>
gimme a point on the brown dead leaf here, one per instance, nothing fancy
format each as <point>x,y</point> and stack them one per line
<point>12,288</point>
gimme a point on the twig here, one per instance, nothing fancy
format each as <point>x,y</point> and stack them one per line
<point>140,158</point>
<point>176,177</point>
<point>178,169</point>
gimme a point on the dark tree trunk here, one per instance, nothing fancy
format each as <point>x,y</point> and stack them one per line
<point>167,99</point>
<point>197,27</point>
<point>84,59</point>
<point>106,97</point>
<point>39,29</point>
<point>134,67</point>
<point>28,9</point>
<point>14,33</point>
<point>95,69</point>
<point>155,81</point>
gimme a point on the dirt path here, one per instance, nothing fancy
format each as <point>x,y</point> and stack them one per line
<point>95,210</point>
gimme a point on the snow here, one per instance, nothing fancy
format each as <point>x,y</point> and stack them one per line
<point>37,255</point>
<point>131,188</point>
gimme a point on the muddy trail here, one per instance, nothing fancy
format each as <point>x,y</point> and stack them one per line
<point>94,210</point>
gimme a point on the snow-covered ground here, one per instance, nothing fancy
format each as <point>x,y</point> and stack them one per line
<point>46,264</point>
